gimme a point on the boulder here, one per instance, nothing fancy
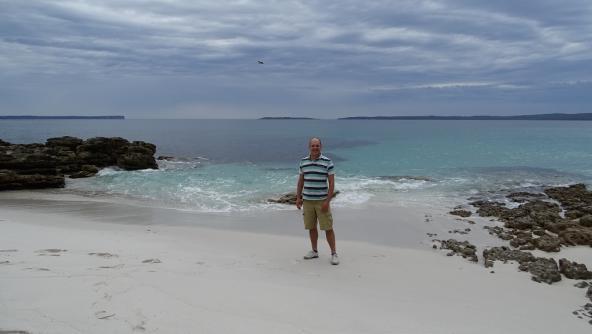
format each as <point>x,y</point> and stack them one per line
<point>522,240</point>
<point>489,209</point>
<point>586,221</point>
<point>461,213</point>
<point>462,248</point>
<point>65,141</point>
<point>580,285</point>
<point>26,164</point>
<point>85,171</point>
<point>136,160</point>
<point>576,235</point>
<point>505,254</point>
<point>542,270</point>
<point>547,243</point>
<point>500,232</point>
<point>574,270</point>
<point>101,151</point>
<point>522,196</point>
<point>10,180</point>
<point>290,198</point>
<point>575,199</point>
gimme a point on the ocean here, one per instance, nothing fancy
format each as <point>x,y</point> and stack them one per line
<point>236,165</point>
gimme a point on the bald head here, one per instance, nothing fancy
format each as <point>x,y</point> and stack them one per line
<point>314,139</point>
<point>314,145</point>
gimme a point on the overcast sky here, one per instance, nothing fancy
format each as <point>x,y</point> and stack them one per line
<point>326,59</point>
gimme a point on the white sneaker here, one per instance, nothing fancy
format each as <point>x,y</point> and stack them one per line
<point>311,255</point>
<point>334,259</point>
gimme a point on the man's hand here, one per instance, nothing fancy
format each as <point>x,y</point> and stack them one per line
<point>325,206</point>
<point>299,203</point>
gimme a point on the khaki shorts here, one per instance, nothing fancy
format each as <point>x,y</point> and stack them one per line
<point>311,211</point>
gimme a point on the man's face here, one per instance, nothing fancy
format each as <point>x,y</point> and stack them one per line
<point>315,147</point>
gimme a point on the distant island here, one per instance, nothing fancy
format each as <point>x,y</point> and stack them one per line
<point>537,117</point>
<point>62,117</point>
<point>267,118</point>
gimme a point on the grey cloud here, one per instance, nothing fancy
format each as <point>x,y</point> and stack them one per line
<point>327,56</point>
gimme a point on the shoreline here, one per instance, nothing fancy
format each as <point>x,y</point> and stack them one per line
<point>244,274</point>
<point>394,225</point>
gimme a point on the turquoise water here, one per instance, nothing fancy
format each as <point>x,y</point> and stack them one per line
<point>233,165</point>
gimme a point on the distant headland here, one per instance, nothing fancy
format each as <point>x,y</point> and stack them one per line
<point>537,117</point>
<point>267,118</point>
<point>62,117</point>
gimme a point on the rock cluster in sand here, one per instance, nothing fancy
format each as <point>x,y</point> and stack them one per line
<point>32,166</point>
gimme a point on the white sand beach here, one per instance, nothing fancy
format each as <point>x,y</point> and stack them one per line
<point>72,266</point>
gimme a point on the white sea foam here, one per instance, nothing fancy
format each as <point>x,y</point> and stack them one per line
<point>189,185</point>
<point>109,171</point>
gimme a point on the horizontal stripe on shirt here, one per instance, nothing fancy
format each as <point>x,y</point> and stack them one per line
<point>313,180</point>
<point>316,188</point>
<point>313,172</point>
<point>319,196</point>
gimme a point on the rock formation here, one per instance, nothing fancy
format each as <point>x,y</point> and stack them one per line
<point>31,166</point>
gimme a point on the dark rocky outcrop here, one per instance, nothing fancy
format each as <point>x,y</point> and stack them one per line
<point>542,270</point>
<point>489,209</point>
<point>500,232</point>
<point>574,270</point>
<point>460,212</point>
<point>581,285</point>
<point>462,248</point>
<point>30,166</point>
<point>290,198</point>
<point>69,142</point>
<point>586,221</point>
<point>539,217</point>
<point>575,199</point>
<point>85,171</point>
<point>522,196</point>
<point>547,243</point>
<point>10,180</point>
<point>547,224</point>
<point>505,254</point>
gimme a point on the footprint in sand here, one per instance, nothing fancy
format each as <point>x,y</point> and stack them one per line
<point>38,269</point>
<point>51,252</point>
<point>104,315</point>
<point>99,284</point>
<point>152,261</point>
<point>140,326</point>
<point>8,250</point>
<point>117,266</point>
<point>4,262</point>
<point>104,255</point>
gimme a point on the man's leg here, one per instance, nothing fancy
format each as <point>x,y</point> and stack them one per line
<point>330,234</point>
<point>314,237</point>
<point>310,223</point>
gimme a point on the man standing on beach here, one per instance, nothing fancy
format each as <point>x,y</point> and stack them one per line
<point>315,182</point>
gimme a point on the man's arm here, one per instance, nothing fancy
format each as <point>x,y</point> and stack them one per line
<point>331,180</point>
<point>299,188</point>
<point>331,187</point>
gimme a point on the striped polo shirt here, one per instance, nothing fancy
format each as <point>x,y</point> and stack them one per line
<point>316,173</point>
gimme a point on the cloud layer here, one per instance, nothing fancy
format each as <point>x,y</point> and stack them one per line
<point>322,58</point>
